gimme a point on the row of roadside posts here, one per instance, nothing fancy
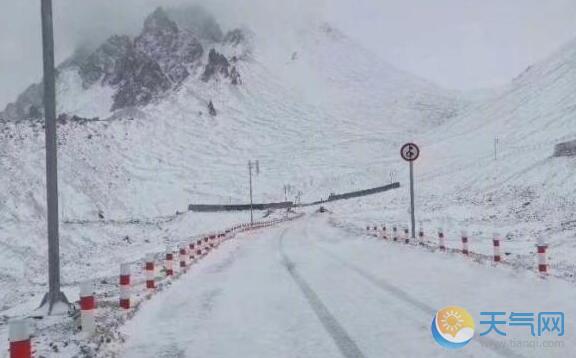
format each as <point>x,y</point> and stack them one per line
<point>399,234</point>
<point>20,331</point>
<point>410,152</point>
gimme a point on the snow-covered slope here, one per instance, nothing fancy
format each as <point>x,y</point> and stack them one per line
<point>321,114</point>
<point>521,126</point>
<point>317,110</point>
<point>491,168</point>
<point>328,97</point>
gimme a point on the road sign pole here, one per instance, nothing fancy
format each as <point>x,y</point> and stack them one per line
<point>54,295</point>
<point>251,204</point>
<point>412,215</point>
<point>410,152</point>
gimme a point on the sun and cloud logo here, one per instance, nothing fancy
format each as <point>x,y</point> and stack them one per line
<point>453,327</point>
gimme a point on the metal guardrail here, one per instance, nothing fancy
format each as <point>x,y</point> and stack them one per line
<point>353,194</point>
<point>239,207</point>
<point>290,204</point>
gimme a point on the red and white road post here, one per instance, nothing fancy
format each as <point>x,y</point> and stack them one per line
<point>19,337</point>
<point>465,250</point>
<point>441,239</point>
<point>149,268</point>
<point>191,249</point>
<point>542,260</point>
<point>421,235</point>
<point>169,262</point>
<point>183,257</point>
<point>87,308</point>
<point>496,245</point>
<point>125,286</point>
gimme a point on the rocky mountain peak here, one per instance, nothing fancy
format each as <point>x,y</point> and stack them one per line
<point>198,21</point>
<point>102,63</point>
<point>217,64</point>
<point>159,37</point>
<point>159,23</point>
<point>169,49</point>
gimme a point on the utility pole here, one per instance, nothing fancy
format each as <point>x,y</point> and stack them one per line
<point>256,165</point>
<point>299,197</point>
<point>54,295</point>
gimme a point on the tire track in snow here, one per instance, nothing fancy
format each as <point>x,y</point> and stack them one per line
<point>341,338</point>
<point>405,297</point>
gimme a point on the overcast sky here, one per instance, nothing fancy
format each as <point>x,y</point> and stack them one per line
<point>460,44</point>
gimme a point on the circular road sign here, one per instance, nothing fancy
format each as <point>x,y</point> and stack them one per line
<point>410,152</point>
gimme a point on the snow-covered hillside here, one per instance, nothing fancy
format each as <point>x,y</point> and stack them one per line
<point>492,169</point>
<point>301,105</point>
<point>316,109</point>
<point>321,113</point>
<point>152,123</point>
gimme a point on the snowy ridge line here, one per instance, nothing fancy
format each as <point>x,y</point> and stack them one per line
<point>538,260</point>
<point>115,303</point>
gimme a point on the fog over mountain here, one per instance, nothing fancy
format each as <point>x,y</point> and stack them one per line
<point>455,44</point>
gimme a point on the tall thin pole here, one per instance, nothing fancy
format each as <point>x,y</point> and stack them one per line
<point>251,204</point>
<point>54,294</point>
<point>412,215</point>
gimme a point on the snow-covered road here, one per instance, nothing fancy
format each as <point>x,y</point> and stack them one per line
<point>310,289</point>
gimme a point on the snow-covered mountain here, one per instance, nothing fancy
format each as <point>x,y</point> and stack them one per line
<point>170,117</point>
<point>125,72</point>
<point>150,124</point>
<point>203,102</point>
<point>492,168</point>
<point>521,125</point>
